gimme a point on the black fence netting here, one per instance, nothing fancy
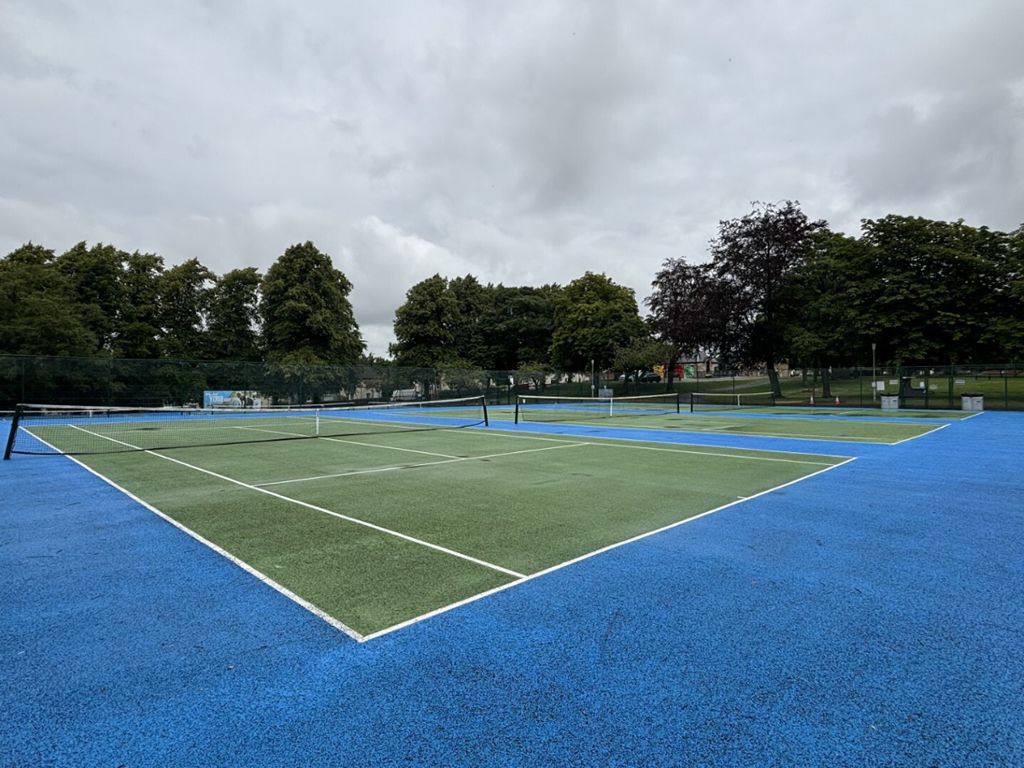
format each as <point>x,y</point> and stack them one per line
<point>154,383</point>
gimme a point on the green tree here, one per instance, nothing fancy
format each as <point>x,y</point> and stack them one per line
<point>518,326</point>
<point>756,254</point>
<point>39,314</point>
<point>138,334</point>
<point>184,302</point>
<point>644,353</point>
<point>1005,329</point>
<point>95,276</point>
<point>234,316</point>
<point>593,318</point>
<point>933,290</point>
<point>471,299</point>
<point>819,310</point>
<point>307,316</point>
<point>425,325</point>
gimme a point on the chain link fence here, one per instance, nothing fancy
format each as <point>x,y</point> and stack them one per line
<point>153,383</point>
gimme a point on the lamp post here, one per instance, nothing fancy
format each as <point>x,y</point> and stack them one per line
<point>874,382</point>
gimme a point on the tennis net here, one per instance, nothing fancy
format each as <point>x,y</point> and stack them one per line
<point>568,409</point>
<point>76,430</point>
<point>724,401</point>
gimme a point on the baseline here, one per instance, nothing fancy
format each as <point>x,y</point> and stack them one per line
<point>594,553</point>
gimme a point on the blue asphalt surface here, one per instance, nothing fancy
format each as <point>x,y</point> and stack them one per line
<point>870,616</point>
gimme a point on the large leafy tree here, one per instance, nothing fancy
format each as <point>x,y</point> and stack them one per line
<point>820,311</point>
<point>593,318</point>
<point>307,316</point>
<point>933,290</point>
<point>460,322</point>
<point>755,255</point>
<point>518,325</point>
<point>1006,330</point>
<point>642,353</point>
<point>95,276</point>
<point>471,298</point>
<point>39,314</point>
<point>139,329</point>
<point>233,327</point>
<point>692,310</point>
<point>184,302</point>
<point>425,325</point>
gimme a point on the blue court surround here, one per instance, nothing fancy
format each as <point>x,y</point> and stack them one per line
<point>868,616</point>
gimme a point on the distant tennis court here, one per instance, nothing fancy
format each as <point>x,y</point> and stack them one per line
<point>731,414</point>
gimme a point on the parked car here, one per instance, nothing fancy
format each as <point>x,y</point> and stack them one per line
<point>649,377</point>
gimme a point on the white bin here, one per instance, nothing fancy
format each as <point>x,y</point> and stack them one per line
<point>890,402</point>
<point>972,402</point>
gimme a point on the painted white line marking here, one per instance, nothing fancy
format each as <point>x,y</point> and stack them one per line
<point>915,437</point>
<point>587,556</point>
<point>719,455</point>
<point>222,552</point>
<point>315,508</point>
<point>736,432</point>
<point>689,447</point>
<point>395,468</point>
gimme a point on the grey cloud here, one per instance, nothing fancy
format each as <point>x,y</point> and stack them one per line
<point>524,142</point>
<point>957,156</point>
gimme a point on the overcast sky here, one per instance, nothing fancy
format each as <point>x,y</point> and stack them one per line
<point>522,142</point>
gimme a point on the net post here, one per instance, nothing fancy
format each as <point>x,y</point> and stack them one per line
<point>14,431</point>
<point>692,408</point>
<point>677,403</point>
<point>517,410</point>
<point>317,422</point>
<point>483,400</point>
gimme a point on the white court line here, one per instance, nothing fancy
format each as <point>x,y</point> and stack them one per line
<point>778,436</point>
<point>588,555</point>
<point>498,432</point>
<point>314,507</point>
<point>397,467</point>
<point>525,437</point>
<point>720,455</point>
<point>219,550</point>
<point>908,439</point>
<point>771,436</point>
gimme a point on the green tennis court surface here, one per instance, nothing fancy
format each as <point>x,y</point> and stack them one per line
<point>732,422</point>
<point>380,529</point>
<point>866,413</point>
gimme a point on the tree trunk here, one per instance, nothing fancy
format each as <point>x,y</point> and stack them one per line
<point>826,384</point>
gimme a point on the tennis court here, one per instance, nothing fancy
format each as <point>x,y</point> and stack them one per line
<point>395,513</point>
<point>741,415</point>
<point>872,604</point>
